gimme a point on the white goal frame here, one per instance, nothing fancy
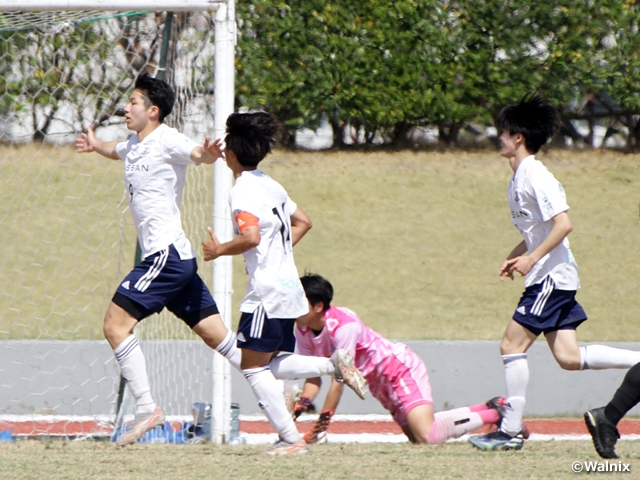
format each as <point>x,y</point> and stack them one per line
<point>224,83</point>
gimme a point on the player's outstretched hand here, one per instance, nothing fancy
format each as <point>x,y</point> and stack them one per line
<point>214,147</point>
<point>86,141</point>
<point>210,247</point>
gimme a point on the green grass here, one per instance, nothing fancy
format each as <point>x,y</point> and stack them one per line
<point>411,241</point>
<point>62,460</point>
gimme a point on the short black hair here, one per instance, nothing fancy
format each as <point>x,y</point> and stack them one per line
<point>250,136</point>
<point>317,289</point>
<point>533,118</point>
<point>156,92</point>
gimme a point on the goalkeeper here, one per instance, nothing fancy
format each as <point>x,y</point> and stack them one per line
<point>396,376</point>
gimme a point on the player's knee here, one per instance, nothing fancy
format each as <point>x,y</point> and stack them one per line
<point>506,347</point>
<point>115,331</point>
<point>568,362</point>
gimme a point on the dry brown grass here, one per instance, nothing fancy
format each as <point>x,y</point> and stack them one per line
<point>411,241</point>
<point>63,460</point>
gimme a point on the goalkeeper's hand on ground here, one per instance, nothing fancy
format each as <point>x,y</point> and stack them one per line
<point>301,406</point>
<point>320,427</point>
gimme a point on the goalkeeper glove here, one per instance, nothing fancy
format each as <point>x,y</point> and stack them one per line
<point>301,406</point>
<point>320,427</point>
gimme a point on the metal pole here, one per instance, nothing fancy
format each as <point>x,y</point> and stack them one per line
<point>224,80</point>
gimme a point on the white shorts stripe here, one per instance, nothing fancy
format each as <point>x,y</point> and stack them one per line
<point>257,322</point>
<point>158,264</point>
<point>543,296</point>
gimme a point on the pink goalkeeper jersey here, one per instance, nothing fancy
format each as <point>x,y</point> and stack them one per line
<point>344,329</point>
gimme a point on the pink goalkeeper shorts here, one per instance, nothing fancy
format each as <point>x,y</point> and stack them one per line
<point>401,383</point>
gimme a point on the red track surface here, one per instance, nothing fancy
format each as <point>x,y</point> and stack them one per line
<point>561,426</point>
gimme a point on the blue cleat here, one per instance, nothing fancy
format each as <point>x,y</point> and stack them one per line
<point>497,440</point>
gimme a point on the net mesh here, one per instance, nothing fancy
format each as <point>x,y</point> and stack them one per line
<point>67,237</point>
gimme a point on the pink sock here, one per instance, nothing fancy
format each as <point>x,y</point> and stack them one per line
<point>490,415</point>
<point>477,408</point>
<point>441,430</point>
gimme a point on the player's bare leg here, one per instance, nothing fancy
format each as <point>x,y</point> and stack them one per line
<point>216,335</point>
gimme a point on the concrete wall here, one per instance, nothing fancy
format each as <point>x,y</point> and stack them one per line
<point>81,378</point>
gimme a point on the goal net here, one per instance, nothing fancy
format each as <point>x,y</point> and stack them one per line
<point>66,236</point>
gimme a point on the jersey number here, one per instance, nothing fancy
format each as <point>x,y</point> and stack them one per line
<point>130,193</point>
<point>284,228</point>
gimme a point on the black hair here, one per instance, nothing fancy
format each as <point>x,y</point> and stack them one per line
<point>317,289</point>
<point>156,92</point>
<point>250,136</point>
<point>532,118</point>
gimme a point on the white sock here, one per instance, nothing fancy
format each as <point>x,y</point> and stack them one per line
<point>133,369</point>
<point>289,366</point>
<point>228,348</point>
<point>516,377</point>
<point>599,357</point>
<point>268,391</point>
<point>460,421</point>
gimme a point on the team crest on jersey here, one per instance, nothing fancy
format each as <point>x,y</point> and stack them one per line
<point>516,197</point>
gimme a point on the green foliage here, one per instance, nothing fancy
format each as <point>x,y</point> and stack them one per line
<point>385,66</point>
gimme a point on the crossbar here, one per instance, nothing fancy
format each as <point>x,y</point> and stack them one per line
<point>110,5</point>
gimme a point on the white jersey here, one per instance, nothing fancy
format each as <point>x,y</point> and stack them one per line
<point>273,278</point>
<point>154,172</point>
<point>535,197</point>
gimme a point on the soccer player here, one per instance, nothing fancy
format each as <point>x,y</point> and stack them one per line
<point>602,422</point>
<point>396,376</point>
<point>155,163</point>
<point>548,305</point>
<point>268,224</point>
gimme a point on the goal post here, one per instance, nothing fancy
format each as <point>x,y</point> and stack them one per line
<point>17,133</point>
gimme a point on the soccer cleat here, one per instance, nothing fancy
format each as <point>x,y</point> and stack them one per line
<point>497,440</point>
<point>285,448</point>
<point>142,423</point>
<point>500,404</point>
<point>347,373</point>
<point>603,432</point>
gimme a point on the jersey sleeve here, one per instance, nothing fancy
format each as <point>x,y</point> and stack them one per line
<point>180,147</point>
<point>243,200</point>
<point>290,207</point>
<point>245,220</point>
<point>346,336</point>
<point>122,149</point>
<point>549,194</point>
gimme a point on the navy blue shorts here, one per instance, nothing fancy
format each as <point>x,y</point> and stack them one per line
<point>164,280</point>
<point>543,309</point>
<point>262,334</point>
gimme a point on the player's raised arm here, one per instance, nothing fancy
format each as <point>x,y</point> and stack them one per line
<point>209,152</point>
<point>87,142</point>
